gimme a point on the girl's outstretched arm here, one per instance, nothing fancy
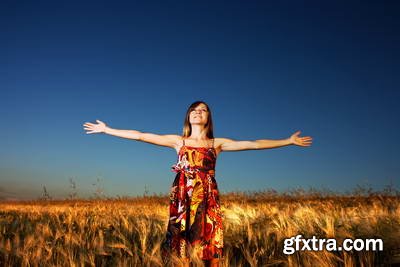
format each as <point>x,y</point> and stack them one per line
<point>161,140</point>
<point>226,144</point>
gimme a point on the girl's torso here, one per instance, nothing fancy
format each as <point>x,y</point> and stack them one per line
<point>194,159</point>
<point>210,146</point>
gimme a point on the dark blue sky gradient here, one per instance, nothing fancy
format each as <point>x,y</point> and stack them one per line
<point>265,68</point>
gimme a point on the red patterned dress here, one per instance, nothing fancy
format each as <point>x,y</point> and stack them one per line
<point>195,221</point>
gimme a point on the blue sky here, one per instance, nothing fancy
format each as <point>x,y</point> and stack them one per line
<point>266,69</point>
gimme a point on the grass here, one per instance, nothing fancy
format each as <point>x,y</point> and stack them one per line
<point>129,231</point>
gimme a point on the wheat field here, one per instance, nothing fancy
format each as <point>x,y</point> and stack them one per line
<point>129,231</point>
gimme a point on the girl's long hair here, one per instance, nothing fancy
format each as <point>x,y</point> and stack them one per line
<point>187,127</point>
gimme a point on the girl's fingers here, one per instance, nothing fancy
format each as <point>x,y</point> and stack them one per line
<point>91,128</point>
<point>90,124</point>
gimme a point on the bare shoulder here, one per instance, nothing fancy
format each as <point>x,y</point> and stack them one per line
<point>173,136</point>
<point>169,140</point>
<point>227,144</point>
<point>219,142</point>
<point>175,139</point>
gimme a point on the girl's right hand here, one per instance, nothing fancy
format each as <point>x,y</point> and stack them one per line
<point>100,127</point>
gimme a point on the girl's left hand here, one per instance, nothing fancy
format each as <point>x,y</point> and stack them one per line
<point>300,141</point>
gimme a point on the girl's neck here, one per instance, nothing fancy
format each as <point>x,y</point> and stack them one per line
<point>198,133</point>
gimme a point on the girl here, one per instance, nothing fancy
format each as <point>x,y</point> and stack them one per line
<point>195,223</point>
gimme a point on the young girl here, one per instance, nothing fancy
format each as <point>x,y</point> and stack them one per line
<point>195,223</point>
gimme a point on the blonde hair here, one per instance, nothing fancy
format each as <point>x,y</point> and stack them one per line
<point>187,127</point>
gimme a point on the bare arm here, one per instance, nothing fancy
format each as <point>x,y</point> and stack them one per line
<point>232,145</point>
<point>161,140</point>
<point>226,144</point>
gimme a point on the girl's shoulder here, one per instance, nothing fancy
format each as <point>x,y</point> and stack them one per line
<point>218,141</point>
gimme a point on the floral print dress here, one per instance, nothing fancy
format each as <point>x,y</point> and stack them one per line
<point>195,221</point>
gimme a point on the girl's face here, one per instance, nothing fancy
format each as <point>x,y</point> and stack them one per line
<point>199,115</point>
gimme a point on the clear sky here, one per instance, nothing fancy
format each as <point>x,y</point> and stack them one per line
<point>266,68</point>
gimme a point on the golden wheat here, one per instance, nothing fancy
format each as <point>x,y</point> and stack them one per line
<point>130,232</point>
